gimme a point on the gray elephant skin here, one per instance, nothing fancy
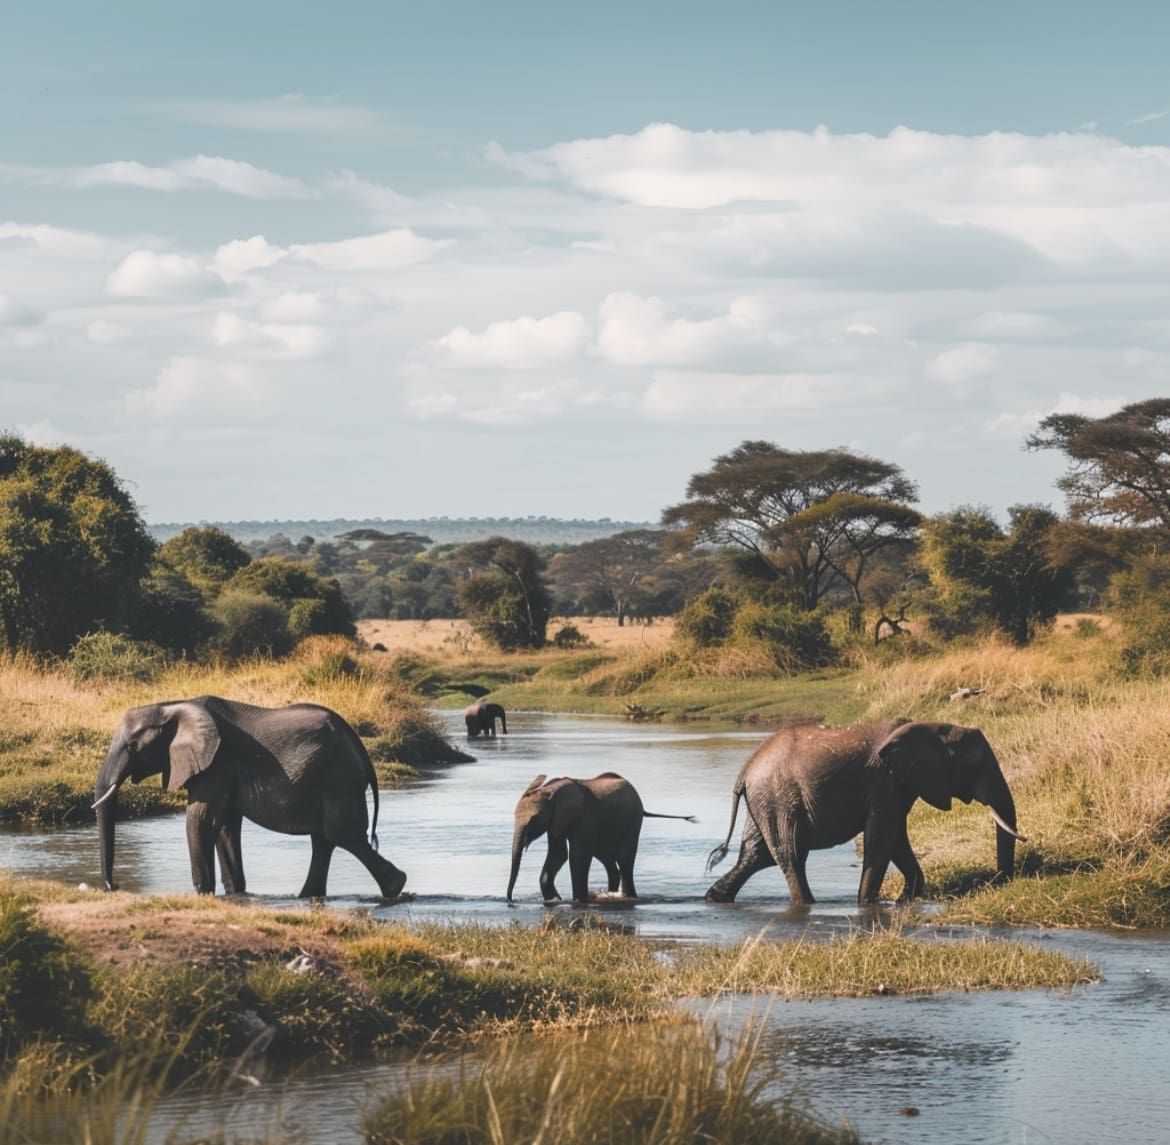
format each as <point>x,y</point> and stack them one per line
<point>481,717</point>
<point>810,787</point>
<point>585,819</point>
<point>300,770</point>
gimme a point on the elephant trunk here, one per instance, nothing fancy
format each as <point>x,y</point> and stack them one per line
<point>110,776</point>
<point>992,791</point>
<point>519,842</point>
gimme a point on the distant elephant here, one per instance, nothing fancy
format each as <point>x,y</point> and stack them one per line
<point>811,787</point>
<point>300,770</point>
<point>585,819</point>
<point>481,717</point>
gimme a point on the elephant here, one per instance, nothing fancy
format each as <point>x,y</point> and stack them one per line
<point>300,770</point>
<point>809,787</point>
<point>481,717</point>
<point>585,819</point>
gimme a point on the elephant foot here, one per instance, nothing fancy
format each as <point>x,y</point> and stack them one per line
<point>714,895</point>
<point>392,887</point>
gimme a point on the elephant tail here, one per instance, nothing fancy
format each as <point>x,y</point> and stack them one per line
<point>720,853</point>
<point>371,779</point>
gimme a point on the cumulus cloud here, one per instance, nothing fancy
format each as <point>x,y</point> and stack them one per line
<point>511,403</point>
<point>959,366</point>
<point>637,331</point>
<point>147,274</point>
<point>58,242</point>
<point>268,339</point>
<point>1019,425</point>
<point>389,250</point>
<point>519,344</point>
<point>199,173</point>
<point>199,392</point>
<point>236,258</point>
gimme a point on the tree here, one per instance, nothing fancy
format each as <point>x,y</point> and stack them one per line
<point>315,606</point>
<point>612,568</point>
<point>73,547</point>
<point>1120,471</point>
<point>806,519</point>
<point>208,557</point>
<point>505,597</point>
<point>983,575</point>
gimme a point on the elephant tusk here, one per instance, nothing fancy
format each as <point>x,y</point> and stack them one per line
<point>113,791</point>
<point>998,820</point>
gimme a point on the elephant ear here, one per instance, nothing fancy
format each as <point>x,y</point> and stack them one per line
<point>920,760</point>
<point>536,783</point>
<point>194,745</point>
<point>568,804</point>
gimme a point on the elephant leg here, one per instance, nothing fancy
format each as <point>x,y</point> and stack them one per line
<point>799,892</point>
<point>906,862</point>
<point>753,856</point>
<point>877,848</point>
<point>389,878</point>
<point>318,868</point>
<point>558,852</point>
<point>231,860</point>
<point>627,869</point>
<point>580,860</point>
<point>612,874</point>
<point>202,831</point>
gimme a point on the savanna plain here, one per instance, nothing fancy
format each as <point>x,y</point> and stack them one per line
<point>110,1001</point>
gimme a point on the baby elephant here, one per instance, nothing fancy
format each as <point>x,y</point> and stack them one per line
<point>585,819</point>
<point>481,717</point>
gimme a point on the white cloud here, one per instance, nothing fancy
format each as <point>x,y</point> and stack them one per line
<point>13,313</point>
<point>291,114</point>
<point>295,306</point>
<point>389,250</point>
<point>145,274</point>
<point>234,259</point>
<point>199,173</point>
<point>511,403</point>
<point>54,241</point>
<point>43,433</point>
<point>1018,426</point>
<point>637,331</point>
<point>1009,325</point>
<point>268,340</point>
<point>519,344</point>
<point>959,366</point>
<point>198,392</point>
<point>106,333</point>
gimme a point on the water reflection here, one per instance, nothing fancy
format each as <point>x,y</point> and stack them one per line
<point>996,1068</point>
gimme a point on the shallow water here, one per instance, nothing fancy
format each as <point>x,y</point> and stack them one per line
<point>1090,1065</point>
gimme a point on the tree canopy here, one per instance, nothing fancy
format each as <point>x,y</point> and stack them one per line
<point>808,519</point>
<point>1120,472</point>
<point>73,547</point>
<point>504,596</point>
<point>208,557</point>
<point>614,568</point>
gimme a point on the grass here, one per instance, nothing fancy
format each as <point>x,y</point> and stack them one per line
<point>56,731</point>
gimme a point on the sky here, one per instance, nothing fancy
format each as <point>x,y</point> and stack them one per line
<point>304,260</point>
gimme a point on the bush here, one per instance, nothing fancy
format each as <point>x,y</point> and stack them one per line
<point>570,636</point>
<point>106,656</point>
<point>793,638</point>
<point>707,620</point>
<point>1141,598</point>
<point>249,624</point>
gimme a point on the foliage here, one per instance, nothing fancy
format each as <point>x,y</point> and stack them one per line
<point>569,637</point>
<point>794,639</point>
<point>249,624</point>
<point>72,547</point>
<point>1140,596</point>
<point>206,556</point>
<point>506,599</point>
<point>982,576</point>
<point>615,571</point>
<point>708,619</point>
<point>806,520</point>
<point>169,611</point>
<point>322,608</point>
<point>107,656</point>
<point>1120,471</point>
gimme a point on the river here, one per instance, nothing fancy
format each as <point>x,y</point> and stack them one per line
<point>1092,1064</point>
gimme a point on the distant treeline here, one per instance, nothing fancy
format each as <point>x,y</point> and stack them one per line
<point>441,530</point>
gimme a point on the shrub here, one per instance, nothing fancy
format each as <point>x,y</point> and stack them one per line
<point>793,638</point>
<point>1141,597</point>
<point>107,656</point>
<point>250,623</point>
<point>708,619</point>
<point>569,636</point>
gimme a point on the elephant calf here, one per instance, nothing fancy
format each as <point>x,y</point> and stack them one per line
<point>301,770</point>
<point>810,787</point>
<point>481,717</point>
<point>585,819</point>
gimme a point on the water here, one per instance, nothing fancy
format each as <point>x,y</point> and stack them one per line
<point>1090,1065</point>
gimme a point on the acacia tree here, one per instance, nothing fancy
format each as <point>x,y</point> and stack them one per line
<point>504,595</point>
<point>1120,472</point>
<point>983,574</point>
<point>73,547</point>
<point>806,518</point>
<point>614,566</point>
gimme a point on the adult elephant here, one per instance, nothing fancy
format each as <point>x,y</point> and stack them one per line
<point>585,819</point>
<point>811,787</point>
<point>481,717</point>
<point>300,770</point>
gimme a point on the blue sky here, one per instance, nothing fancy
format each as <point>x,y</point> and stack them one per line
<point>474,259</point>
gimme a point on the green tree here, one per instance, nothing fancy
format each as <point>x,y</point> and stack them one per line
<point>504,596</point>
<point>614,568</point>
<point>73,547</point>
<point>208,557</point>
<point>314,605</point>
<point>984,576</point>
<point>807,520</point>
